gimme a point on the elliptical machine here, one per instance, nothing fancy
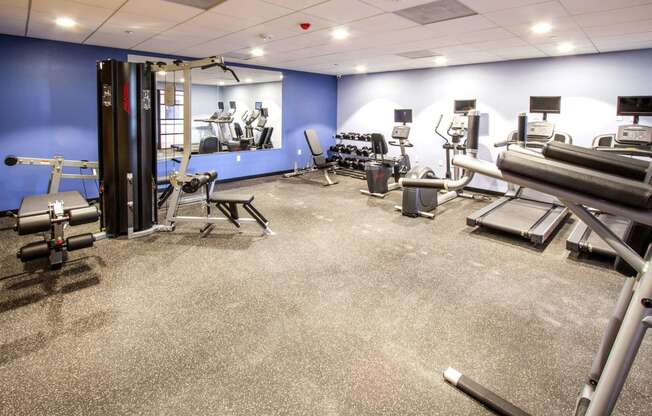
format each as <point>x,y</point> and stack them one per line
<point>379,171</point>
<point>248,119</point>
<point>418,202</point>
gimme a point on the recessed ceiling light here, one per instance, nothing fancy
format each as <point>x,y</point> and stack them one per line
<point>340,34</point>
<point>542,27</point>
<point>221,82</point>
<point>565,47</point>
<point>65,22</point>
<point>441,60</point>
<point>280,76</point>
<point>181,80</point>
<point>257,52</point>
<point>162,73</point>
<point>360,68</point>
<point>248,80</point>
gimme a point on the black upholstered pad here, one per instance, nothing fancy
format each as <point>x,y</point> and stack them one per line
<point>580,179</point>
<point>235,198</point>
<point>613,164</point>
<point>313,142</point>
<point>38,204</point>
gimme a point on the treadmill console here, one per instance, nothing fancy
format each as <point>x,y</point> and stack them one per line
<point>540,130</point>
<point>400,132</point>
<point>634,134</point>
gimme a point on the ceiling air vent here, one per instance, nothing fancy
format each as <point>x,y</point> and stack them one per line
<point>437,11</point>
<point>199,4</point>
<point>418,54</point>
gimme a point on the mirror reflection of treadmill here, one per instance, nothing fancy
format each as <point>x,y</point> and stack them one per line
<point>630,140</point>
<point>525,212</point>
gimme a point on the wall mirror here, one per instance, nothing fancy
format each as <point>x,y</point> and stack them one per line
<point>227,116</point>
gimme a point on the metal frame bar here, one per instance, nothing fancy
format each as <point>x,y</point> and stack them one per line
<point>57,163</point>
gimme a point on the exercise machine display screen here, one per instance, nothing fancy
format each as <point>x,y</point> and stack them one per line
<point>635,106</point>
<point>263,112</point>
<point>232,105</point>
<point>464,106</point>
<point>634,134</point>
<point>401,132</point>
<point>545,105</point>
<point>220,105</point>
<point>403,116</point>
<point>259,105</point>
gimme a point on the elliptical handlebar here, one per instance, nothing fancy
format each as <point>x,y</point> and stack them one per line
<point>406,143</point>
<point>441,116</point>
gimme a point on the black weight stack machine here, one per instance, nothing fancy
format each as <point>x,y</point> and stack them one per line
<point>127,130</point>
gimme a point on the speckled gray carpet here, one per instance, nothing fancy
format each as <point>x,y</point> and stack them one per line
<point>350,309</point>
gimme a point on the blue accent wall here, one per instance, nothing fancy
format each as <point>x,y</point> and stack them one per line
<point>48,107</point>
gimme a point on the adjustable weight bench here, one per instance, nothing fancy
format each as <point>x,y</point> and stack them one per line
<point>226,202</point>
<point>50,214</point>
<point>318,159</point>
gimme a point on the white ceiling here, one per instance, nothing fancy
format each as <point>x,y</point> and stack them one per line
<point>500,31</point>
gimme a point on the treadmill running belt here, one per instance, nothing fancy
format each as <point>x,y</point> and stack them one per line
<point>517,216</point>
<point>532,195</point>
<point>617,224</point>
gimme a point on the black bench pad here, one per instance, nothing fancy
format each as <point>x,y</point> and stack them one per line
<point>235,198</point>
<point>591,182</point>
<point>38,204</point>
<point>613,164</point>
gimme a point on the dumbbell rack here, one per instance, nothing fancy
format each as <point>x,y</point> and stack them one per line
<point>349,157</point>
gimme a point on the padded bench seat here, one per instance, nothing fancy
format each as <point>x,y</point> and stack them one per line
<point>604,162</point>
<point>223,197</point>
<point>592,182</point>
<point>39,204</point>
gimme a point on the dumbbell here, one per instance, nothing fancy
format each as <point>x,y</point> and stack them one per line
<point>364,151</point>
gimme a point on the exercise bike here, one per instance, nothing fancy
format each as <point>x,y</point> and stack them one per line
<point>379,171</point>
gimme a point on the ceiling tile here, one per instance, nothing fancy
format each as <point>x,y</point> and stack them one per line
<point>12,20</point>
<point>556,37</point>
<point>343,11</point>
<point>116,39</point>
<point>497,44</point>
<point>160,9</point>
<point>484,6</point>
<point>381,23</point>
<point>217,22</point>
<point>251,11</point>
<point>18,4</point>
<point>394,5</point>
<point>550,49</point>
<point>521,52</point>
<point>288,26</point>
<point>299,42</point>
<point>295,4</point>
<point>459,26</point>
<point>485,35</point>
<point>619,29</point>
<point>589,6</point>
<point>617,45</point>
<point>171,44</point>
<point>630,14</point>
<point>107,4</point>
<point>139,22</point>
<point>85,16</point>
<point>548,11</point>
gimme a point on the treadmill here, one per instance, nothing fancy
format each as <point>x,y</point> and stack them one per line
<point>630,140</point>
<point>525,212</point>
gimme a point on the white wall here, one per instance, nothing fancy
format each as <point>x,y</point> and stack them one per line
<point>246,95</point>
<point>588,85</point>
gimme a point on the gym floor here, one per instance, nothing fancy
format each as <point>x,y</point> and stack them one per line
<point>350,309</point>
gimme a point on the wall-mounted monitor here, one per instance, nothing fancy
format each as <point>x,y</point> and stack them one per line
<point>541,104</point>
<point>259,105</point>
<point>637,105</point>
<point>232,105</point>
<point>463,106</point>
<point>220,105</point>
<point>403,116</point>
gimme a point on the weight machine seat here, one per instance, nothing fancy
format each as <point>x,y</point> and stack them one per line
<point>39,204</point>
<point>221,197</point>
<point>613,164</point>
<point>592,182</point>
